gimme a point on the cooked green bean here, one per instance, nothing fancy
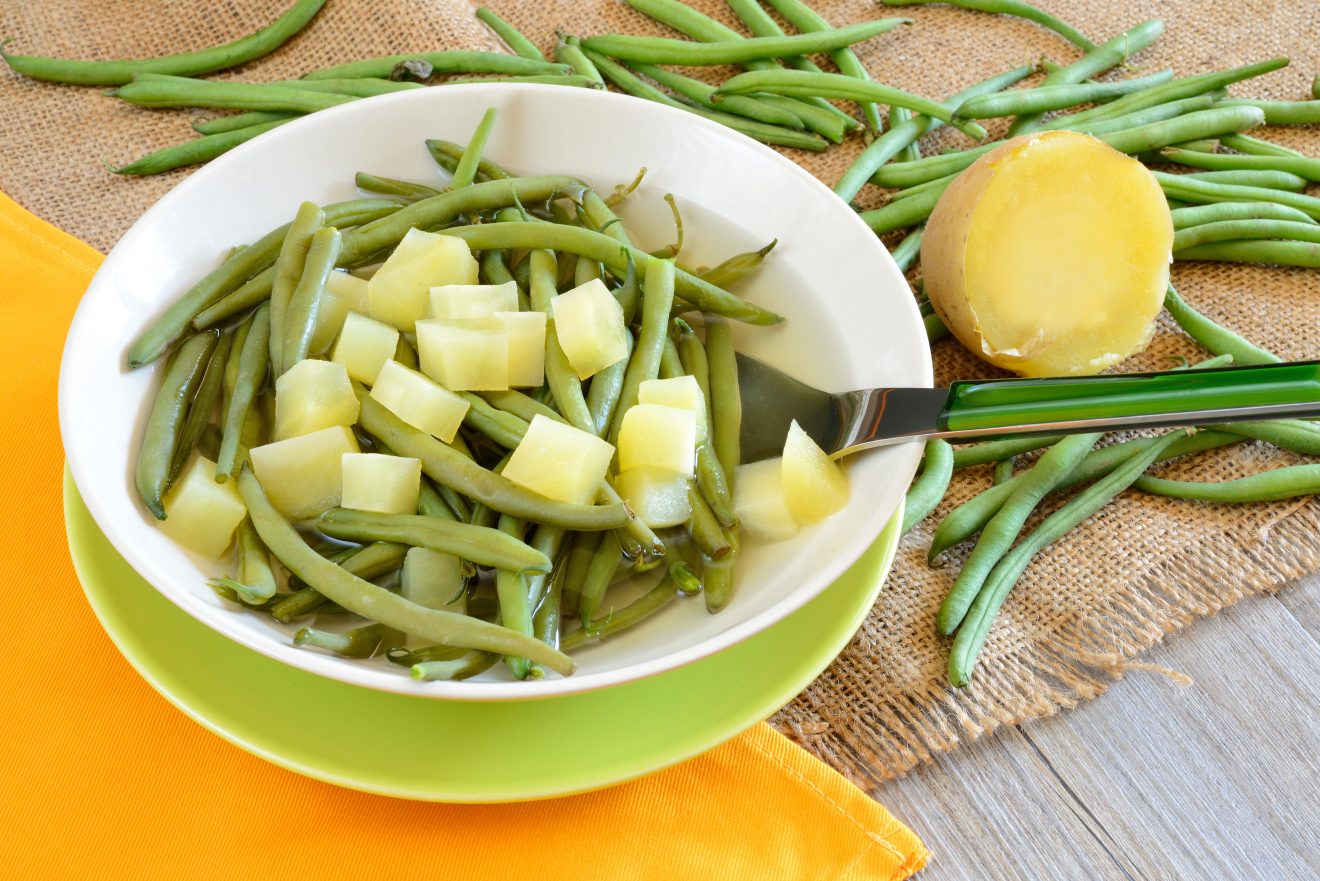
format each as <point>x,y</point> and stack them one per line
<point>569,51</point>
<point>388,186</point>
<point>288,270</point>
<point>198,150</point>
<point>1176,186</point>
<point>1057,97</point>
<point>1014,8</point>
<point>524,406</point>
<point>1245,229</point>
<point>714,485</point>
<point>902,135</point>
<point>375,603</point>
<point>663,50</point>
<point>930,486</point>
<point>515,604</point>
<point>466,171</point>
<point>976,625</point>
<point>1302,166</point>
<point>795,83</point>
<point>360,642</point>
<point>657,299</point>
<point>1282,112</point>
<point>447,154</point>
<point>365,562</point>
<point>1269,179</point>
<point>305,302</point>
<point>770,134</point>
<point>725,399</point>
<point>563,380</point>
<point>202,405</point>
<point>448,467</point>
<point>717,575</point>
<point>172,91</point>
<point>1257,147</point>
<point>485,547</point>
<point>113,73</point>
<point>465,666</point>
<point>603,393</point>
<point>1109,54</point>
<point>700,92</point>
<point>512,37</point>
<point>655,599</point>
<point>169,409</point>
<point>604,561</point>
<point>1220,212</point>
<point>998,535</point>
<point>254,580</point>
<point>695,363</point>
<point>441,62</point>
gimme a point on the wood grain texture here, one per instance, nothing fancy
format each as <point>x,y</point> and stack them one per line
<point>1215,779</point>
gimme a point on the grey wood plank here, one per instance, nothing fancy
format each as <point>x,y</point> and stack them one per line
<point>1217,779</point>
<point>1302,600</point>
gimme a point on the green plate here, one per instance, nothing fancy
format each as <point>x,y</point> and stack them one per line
<point>474,752</point>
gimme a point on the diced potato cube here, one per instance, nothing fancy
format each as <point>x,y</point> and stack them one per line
<point>201,514</point>
<point>388,484</point>
<point>759,502</point>
<point>418,401</point>
<point>471,354</point>
<point>680,391</point>
<point>659,498</point>
<point>590,329</point>
<point>344,293</point>
<point>814,486</point>
<point>473,300</point>
<point>655,436</point>
<point>398,293</point>
<point>303,476</point>
<point>364,345</point>
<point>312,395</point>
<point>559,461</point>
<point>434,580</point>
<point>526,347</point>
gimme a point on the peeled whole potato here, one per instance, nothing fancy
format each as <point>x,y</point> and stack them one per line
<point>1050,255</point>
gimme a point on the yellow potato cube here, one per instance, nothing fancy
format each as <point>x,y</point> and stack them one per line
<point>303,476</point>
<point>473,300</point>
<point>526,332</point>
<point>655,436</point>
<point>590,329</point>
<point>388,484</point>
<point>679,391</point>
<point>759,502</point>
<point>201,514</point>
<point>364,345</point>
<point>814,486</point>
<point>659,498</point>
<point>418,401</point>
<point>344,293</point>
<point>312,395</point>
<point>434,580</point>
<point>559,461</point>
<point>398,293</point>
<point>470,354</point>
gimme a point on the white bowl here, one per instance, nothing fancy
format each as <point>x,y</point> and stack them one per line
<point>852,323</point>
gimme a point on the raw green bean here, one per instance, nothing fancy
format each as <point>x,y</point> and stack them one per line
<point>444,61</point>
<point>906,212</point>
<point>795,83</point>
<point>1003,529</point>
<point>113,73</point>
<point>725,398</point>
<point>360,642</point>
<point>1109,54</point>
<point>1270,179</point>
<point>198,150</point>
<point>663,50</point>
<point>1220,212</point>
<point>236,121</point>
<point>700,92</point>
<point>935,328</point>
<point>908,250</point>
<point>657,299</point>
<point>1303,166</point>
<point>902,135</point>
<point>618,620</point>
<point>305,302</point>
<point>898,116</point>
<point>1057,97</point>
<point>485,547</point>
<point>447,153</point>
<point>370,601</point>
<point>1282,112</point>
<point>1177,187</point>
<point>1145,116</point>
<point>569,51</point>
<point>169,409</point>
<point>1003,471</point>
<point>770,134</point>
<point>466,171</point>
<point>288,270</point>
<point>512,37</point>
<point>976,625</point>
<point>574,81</point>
<point>930,486</point>
<point>251,360</point>
<point>1305,254</point>
<point>599,246</point>
<point>1201,124</point>
<point>1296,435</point>
<point>449,467</point>
<point>806,20</point>
<point>1256,147</point>
<point>1287,482</point>
<point>559,374</point>
<point>995,450</point>
<point>364,87</point>
<point>177,91</point>
<point>1246,229</point>
<point>1014,8</point>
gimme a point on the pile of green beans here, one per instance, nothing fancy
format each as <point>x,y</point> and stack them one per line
<point>542,572</point>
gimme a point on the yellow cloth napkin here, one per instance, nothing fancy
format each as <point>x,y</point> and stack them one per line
<point>101,776</point>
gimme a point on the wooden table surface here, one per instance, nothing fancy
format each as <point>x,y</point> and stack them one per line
<point>1216,779</point>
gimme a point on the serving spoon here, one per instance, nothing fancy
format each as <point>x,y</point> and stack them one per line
<point>858,420</point>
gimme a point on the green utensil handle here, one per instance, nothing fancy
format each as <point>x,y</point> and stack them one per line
<point>1007,403</point>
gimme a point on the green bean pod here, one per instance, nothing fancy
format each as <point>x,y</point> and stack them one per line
<point>388,186</point>
<point>1235,230</point>
<point>911,211</point>
<point>193,152</point>
<point>663,50</point>
<point>1056,97</point>
<point>618,620</point>
<point>1014,8</point>
<point>995,450</point>
<point>465,173</point>
<point>701,92</point>
<point>1302,166</point>
<point>1282,112</point>
<point>171,91</point>
<point>1269,179</point>
<point>930,486</point>
<point>1256,147</point>
<point>305,302</point>
<point>1176,186</point>
<point>1304,254</point>
<point>484,547</point>
<point>512,37</point>
<point>1288,482</point>
<point>1222,212</point>
<point>569,51</point>
<point>441,62</point>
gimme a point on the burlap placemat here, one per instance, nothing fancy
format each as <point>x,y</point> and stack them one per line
<point>1138,570</point>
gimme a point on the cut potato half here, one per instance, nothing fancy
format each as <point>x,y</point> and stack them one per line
<point>1050,255</point>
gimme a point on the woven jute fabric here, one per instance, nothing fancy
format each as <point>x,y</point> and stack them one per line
<point>1138,570</point>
